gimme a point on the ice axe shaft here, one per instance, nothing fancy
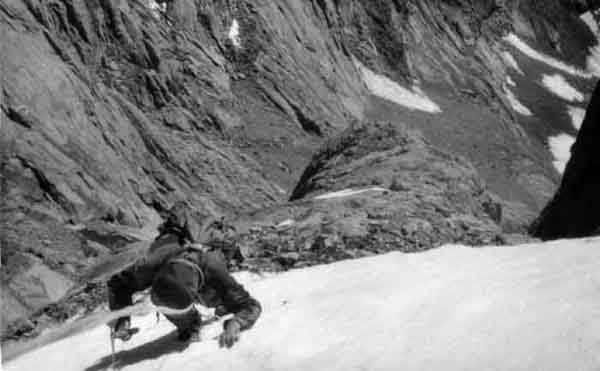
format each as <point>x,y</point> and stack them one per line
<point>113,356</point>
<point>113,337</point>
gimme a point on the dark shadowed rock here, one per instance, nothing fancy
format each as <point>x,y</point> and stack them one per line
<point>575,209</point>
<point>582,6</point>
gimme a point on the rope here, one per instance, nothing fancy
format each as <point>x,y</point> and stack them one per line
<point>193,266</point>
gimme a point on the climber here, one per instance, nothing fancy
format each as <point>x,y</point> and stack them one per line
<point>219,234</point>
<point>181,274</point>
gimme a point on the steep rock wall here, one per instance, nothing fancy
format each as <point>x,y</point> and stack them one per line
<point>574,211</point>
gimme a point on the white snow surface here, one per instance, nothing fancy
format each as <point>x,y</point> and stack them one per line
<point>285,223</point>
<point>348,192</point>
<point>593,59</point>
<point>157,8</point>
<point>560,146</point>
<point>386,88</point>
<point>234,34</point>
<point>577,116</point>
<point>589,20</point>
<point>528,307</point>
<point>511,62</point>
<point>541,57</point>
<point>510,81</point>
<point>516,104</point>
<point>560,87</point>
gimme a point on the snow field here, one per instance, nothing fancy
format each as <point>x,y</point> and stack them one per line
<point>577,115</point>
<point>454,308</point>
<point>386,88</point>
<point>511,62</point>
<point>593,60</point>
<point>540,57</point>
<point>285,223</point>
<point>510,81</point>
<point>516,104</point>
<point>157,8</point>
<point>589,20</point>
<point>561,88</point>
<point>560,146</point>
<point>234,34</point>
<point>348,192</point>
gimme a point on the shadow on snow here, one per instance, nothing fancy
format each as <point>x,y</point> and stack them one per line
<point>153,350</point>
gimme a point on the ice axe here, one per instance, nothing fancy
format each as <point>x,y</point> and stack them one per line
<point>113,356</point>
<point>124,337</point>
<point>140,307</point>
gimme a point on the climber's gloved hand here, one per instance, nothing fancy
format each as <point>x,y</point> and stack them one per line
<point>231,333</point>
<point>122,329</point>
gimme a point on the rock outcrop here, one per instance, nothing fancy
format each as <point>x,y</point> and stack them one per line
<point>378,187</point>
<point>575,209</point>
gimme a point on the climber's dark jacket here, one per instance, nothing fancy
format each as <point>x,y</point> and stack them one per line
<point>212,286</point>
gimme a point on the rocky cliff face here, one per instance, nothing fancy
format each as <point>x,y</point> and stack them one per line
<point>112,110</point>
<point>575,209</point>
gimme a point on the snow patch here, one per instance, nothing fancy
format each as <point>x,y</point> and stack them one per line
<point>593,59</point>
<point>157,8</point>
<point>577,115</point>
<point>234,34</point>
<point>510,81</point>
<point>285,223</point>
<point>279,189</point>
<point>540,57</point>
<point>561,87</point>
<point>388,89</point>
<point>348,192</point>
<point>589,20</point>
<point>511,62</point>
<point>560,146</point>
<point>454,308</point>
<point>516,104</point>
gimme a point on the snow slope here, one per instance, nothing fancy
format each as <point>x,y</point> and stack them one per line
<point>234,34</point>
<point>530,307</point>
<point>541,57</point>
<point>386,88</point>
<point>348,193</point>
<point>560,146</point>
<point>512,62</point>
<point>593,59</point>
<point>577,115</point>
<point>561,88</point>
<point>516,104</point>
